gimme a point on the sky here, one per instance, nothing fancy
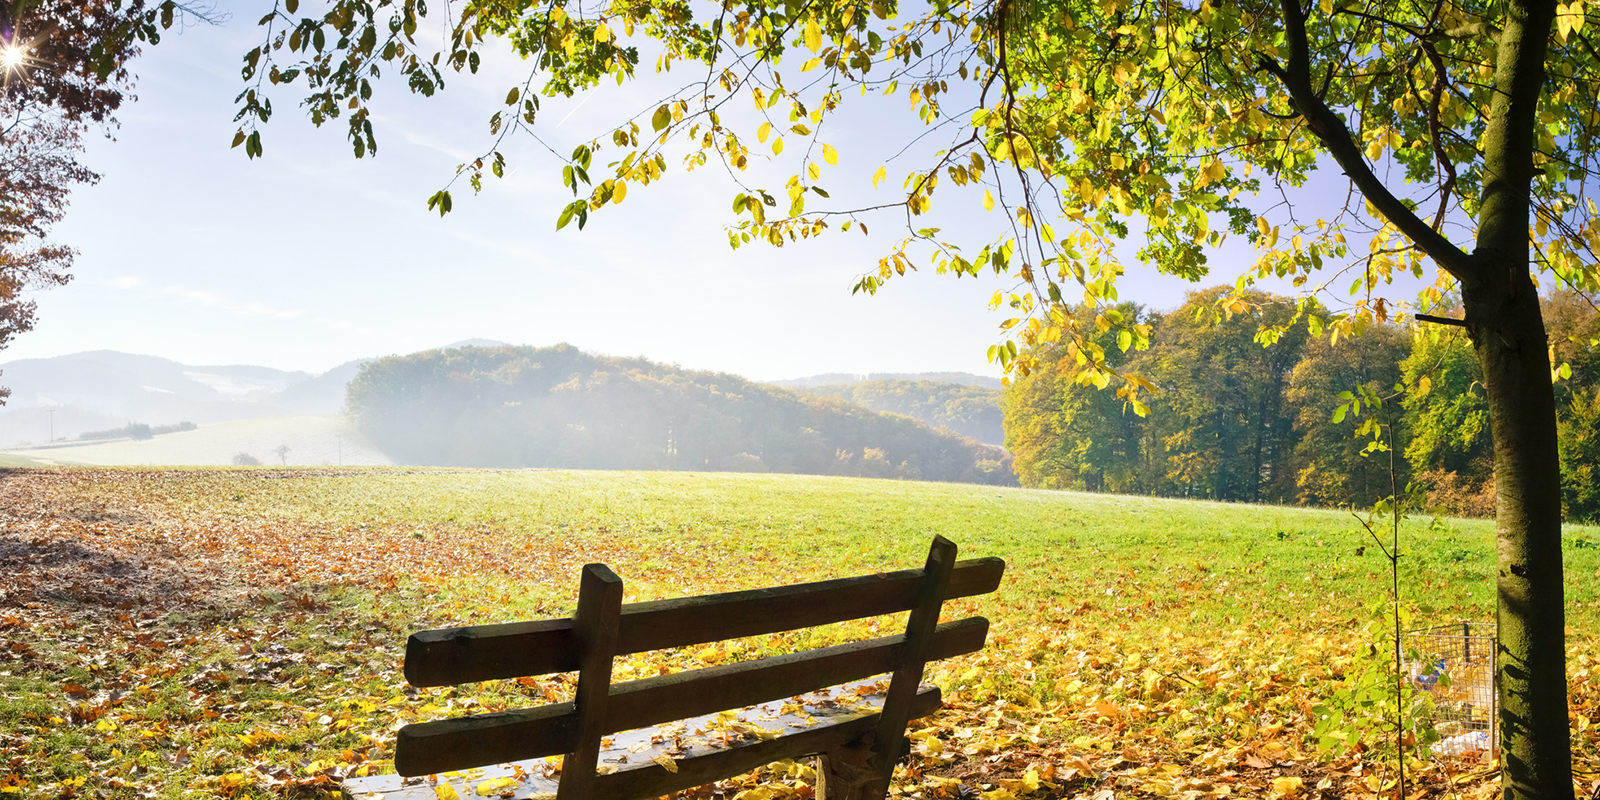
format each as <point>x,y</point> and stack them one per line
<point>308,258</point>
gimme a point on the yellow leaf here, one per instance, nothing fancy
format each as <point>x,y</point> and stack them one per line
<point>763,132</point>
<point>666,763</point>
<point>813,170</point>
<point>878,176</point>
<point>813,35</point>
<point>445,791</point>
<point>105,726</point>
<point>494,785</point>
<point>619,191</point>
<point>829,154</point>
<point>1287,787</point>
<point>710,655</point>
<point>988,201</point>
<point>602,33</point>
<point>777,145</point>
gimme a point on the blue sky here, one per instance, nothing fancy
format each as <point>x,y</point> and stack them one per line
<point>308,258</point>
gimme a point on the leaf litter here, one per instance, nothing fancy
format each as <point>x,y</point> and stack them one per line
<point>159,637</point>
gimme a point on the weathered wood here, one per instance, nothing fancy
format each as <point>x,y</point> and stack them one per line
<point>909,659</point>
<point>430,747</point>
<point>595,628</point>
<point>449,656</point>
<point>681,741</point>
<point>653,780</point>
<point>686,694</point>
<point>844,771</point>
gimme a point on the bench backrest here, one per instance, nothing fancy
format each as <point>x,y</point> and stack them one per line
<point>603,628</point>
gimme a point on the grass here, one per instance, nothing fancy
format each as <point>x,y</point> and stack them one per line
<point>311,439</point>
<point>1130,633</point>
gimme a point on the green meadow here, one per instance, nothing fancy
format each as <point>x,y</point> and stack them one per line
<point>1150,646</point>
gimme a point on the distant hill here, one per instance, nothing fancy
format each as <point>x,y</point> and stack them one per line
<point>67,395</point>
<point>309,441</point>
<point>561,407</point>
<point>845,379</point>
<point>971,411</point>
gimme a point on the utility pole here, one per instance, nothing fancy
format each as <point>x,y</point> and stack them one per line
<point>52,413</point>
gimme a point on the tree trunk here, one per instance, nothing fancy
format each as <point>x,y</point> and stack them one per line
<point>1508,335</point>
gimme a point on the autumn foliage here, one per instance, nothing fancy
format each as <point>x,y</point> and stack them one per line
<point>238,632</point>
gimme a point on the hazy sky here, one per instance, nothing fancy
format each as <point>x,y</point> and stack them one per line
<point>309,258</point>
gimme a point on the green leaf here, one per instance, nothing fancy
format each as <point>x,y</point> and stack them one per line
<point>662,118</point>
<point>441,201</point>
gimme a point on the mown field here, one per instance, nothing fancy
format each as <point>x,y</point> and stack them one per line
<point>238,632</point>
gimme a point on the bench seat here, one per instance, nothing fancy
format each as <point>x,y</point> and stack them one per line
<point>703,749</point>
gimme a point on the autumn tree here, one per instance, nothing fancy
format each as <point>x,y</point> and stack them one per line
<point>1064,434</point>
<point>63,73</point>
<point>38,169</point>
<point>1331,467</point>
<point>1462,133</point>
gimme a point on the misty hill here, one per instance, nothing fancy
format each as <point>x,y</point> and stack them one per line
<point>561,407</point>
<point>846,379</point>
<point>307,441</point>
<point>971,411</point>
<point>64,396</point>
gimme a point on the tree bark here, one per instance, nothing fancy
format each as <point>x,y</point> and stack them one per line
<point>1508,334</point>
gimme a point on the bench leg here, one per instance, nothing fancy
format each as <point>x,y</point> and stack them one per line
<point>847,772</point>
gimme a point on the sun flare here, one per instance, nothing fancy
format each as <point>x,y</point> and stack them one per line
<point>12,58</point>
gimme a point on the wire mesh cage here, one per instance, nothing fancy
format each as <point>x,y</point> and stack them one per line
<point>1455,664</point>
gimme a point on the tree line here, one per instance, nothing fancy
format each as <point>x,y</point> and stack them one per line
<point>1236,420</point>
<point>971,411</point>
<point>560,407</point>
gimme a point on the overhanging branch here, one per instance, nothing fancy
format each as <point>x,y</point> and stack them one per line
<point>1331,130</point>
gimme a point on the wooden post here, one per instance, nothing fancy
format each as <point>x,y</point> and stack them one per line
<point>594,626</point>
<point>909,661</point>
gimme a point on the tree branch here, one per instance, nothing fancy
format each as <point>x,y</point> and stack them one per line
<point>1330,129</point>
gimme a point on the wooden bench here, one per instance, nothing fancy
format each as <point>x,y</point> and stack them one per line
<point>611,752</point>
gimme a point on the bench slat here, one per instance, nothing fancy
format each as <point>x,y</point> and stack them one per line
<point>432,747</point>
<point>449,656</point>
<point>655,781</point>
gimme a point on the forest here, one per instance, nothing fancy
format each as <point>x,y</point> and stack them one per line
<point>971,411</point>
<point>1236,420</point>
<point>560,407</point>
